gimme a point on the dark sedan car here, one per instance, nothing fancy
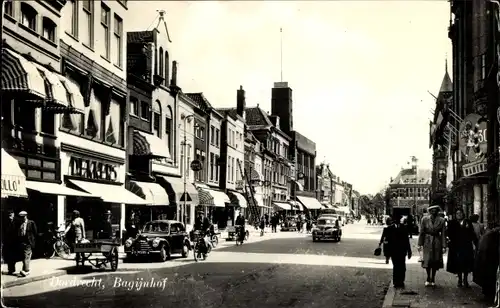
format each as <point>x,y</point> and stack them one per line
<point>327,228</point>
<point>161,238</point>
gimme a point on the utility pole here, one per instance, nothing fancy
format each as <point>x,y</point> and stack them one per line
<point>186,170</point>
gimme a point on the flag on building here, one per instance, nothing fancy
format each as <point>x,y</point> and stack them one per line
<point>449,167</point>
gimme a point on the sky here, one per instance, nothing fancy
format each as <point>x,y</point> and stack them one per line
<point>359,70</point>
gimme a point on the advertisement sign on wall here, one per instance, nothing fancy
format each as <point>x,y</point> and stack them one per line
<point>473,141</point>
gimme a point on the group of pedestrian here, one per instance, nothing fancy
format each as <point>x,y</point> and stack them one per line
<point>18,238</point>
<point>460,236</point>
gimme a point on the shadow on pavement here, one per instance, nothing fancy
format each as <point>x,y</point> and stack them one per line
<point>215,285</point>
<point>350,247</point>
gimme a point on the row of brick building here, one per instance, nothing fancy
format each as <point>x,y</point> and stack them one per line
<point>94,120</point>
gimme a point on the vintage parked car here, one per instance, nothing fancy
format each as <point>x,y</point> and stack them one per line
<point>160,238</point>
<point>289,224</point>
<point>327,227</point>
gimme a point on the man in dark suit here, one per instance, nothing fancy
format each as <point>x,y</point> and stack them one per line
<point>400,248</point>
<point>27,238</point>
<point>9,242</point>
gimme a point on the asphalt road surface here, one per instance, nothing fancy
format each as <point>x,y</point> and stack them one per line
<point>286,271</point>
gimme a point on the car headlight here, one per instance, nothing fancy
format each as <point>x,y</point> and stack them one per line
<point>156,242</point>
<point>128,243</point>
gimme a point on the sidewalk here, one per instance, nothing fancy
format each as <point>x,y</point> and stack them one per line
<point>444,295</point>
<point>42,269</point>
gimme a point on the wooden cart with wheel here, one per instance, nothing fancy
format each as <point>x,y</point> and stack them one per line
<point>98,253</point>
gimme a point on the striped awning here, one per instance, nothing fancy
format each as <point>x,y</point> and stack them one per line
<point>175,190</point>
<point>150,145</point>
<point>75,97</point>
<point>57,97</point>
<point>21,75</point>
<point>255,175</point>
<point>153,193</point>
<point>210,197</point>
<point>237,199</point>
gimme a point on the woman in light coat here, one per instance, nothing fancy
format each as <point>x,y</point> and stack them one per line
<point>432,240</point>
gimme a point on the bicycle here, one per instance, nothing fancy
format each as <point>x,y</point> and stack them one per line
<point>57,245</point>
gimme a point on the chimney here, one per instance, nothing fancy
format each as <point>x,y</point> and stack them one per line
<point>240,102</point>
<point>173,81</point>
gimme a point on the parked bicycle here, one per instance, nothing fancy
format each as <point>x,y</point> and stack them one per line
<point>56,244</point>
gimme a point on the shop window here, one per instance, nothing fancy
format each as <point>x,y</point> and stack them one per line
<point>168,128</point>
<point>134,106</point>
<point>28,16</point>
<point>49,29</point>
<point>92,127</point>
<point>160,65</point>
<point>157,119</point>
<point>49,176</point>
<point>110,133</point>
<point>48,123</point>
<point>167,68</point>
<point>145,111</point>
<point>105,21</point>
<point>8,8</point>
<point>34,174</point>
<point>67,121</point>
<point>73,16</point>
<point>24,115</point>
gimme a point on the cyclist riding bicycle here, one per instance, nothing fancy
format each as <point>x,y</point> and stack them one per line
<point>240,221</point>
<point>203,225</point>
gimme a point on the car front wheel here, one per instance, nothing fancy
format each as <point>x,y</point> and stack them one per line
<point>164,253</point>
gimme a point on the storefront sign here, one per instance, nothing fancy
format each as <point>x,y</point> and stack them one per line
<point>473,141</point>
<point>196,165</point>
<point>91,169</point>
<point>10,185</point>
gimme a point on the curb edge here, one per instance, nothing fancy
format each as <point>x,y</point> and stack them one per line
<point>389,296</point>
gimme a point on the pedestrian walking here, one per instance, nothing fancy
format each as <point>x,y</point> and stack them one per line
<point>27,233</point>
<point>384,243</point>
<point>398,248</point>
<point>132,226</point>
<point>432,240</point>
<point>76,227</point>
<point>106,228</point>
<point>462,240</point>
<point>410,222</point>
<point>10,242</point>
<point>274,223</point>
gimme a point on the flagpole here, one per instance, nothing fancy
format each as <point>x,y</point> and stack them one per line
<point>281,53</point>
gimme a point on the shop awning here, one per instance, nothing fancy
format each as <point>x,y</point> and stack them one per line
<point>21,75</point>
<point>55,189</point>
<point>77,103</point>
<point>297,206</point>
<point>255,175</point>
<point>210,197</point>
<point>237,199</point>
<point>13,178</point>
<point>283,206</point>
<point>259,200</point>
<point>153,193</point>
<point>175,190</point>
<point>55,90</point>
<point>343,209</point>
<point>109,193</point>
<point>299,186</point>
<point>150,145</point>
<point>310,203</point>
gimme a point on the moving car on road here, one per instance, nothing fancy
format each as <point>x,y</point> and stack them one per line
<point>327,228</point>
<point>289,224</point>
<point>160,238</point>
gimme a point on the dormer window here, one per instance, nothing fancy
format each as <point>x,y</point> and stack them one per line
<point>49,29</point>
<point>28,16</point>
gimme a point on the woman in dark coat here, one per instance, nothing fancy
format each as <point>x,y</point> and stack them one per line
<point>384,242</point>
<point>461,247</point>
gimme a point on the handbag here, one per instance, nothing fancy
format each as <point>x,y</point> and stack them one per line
<point>378,251</point>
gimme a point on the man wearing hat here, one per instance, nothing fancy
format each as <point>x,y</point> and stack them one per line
<point>9,242</point>
<point>106,230</point>
<point>27,238</point>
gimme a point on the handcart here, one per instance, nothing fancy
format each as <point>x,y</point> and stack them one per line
<point>98,253</point>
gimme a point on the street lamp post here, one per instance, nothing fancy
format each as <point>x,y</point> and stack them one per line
<point>185,162</point>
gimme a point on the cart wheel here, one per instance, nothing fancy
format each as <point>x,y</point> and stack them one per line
<point>113,259</point>
<point>215,241</point>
